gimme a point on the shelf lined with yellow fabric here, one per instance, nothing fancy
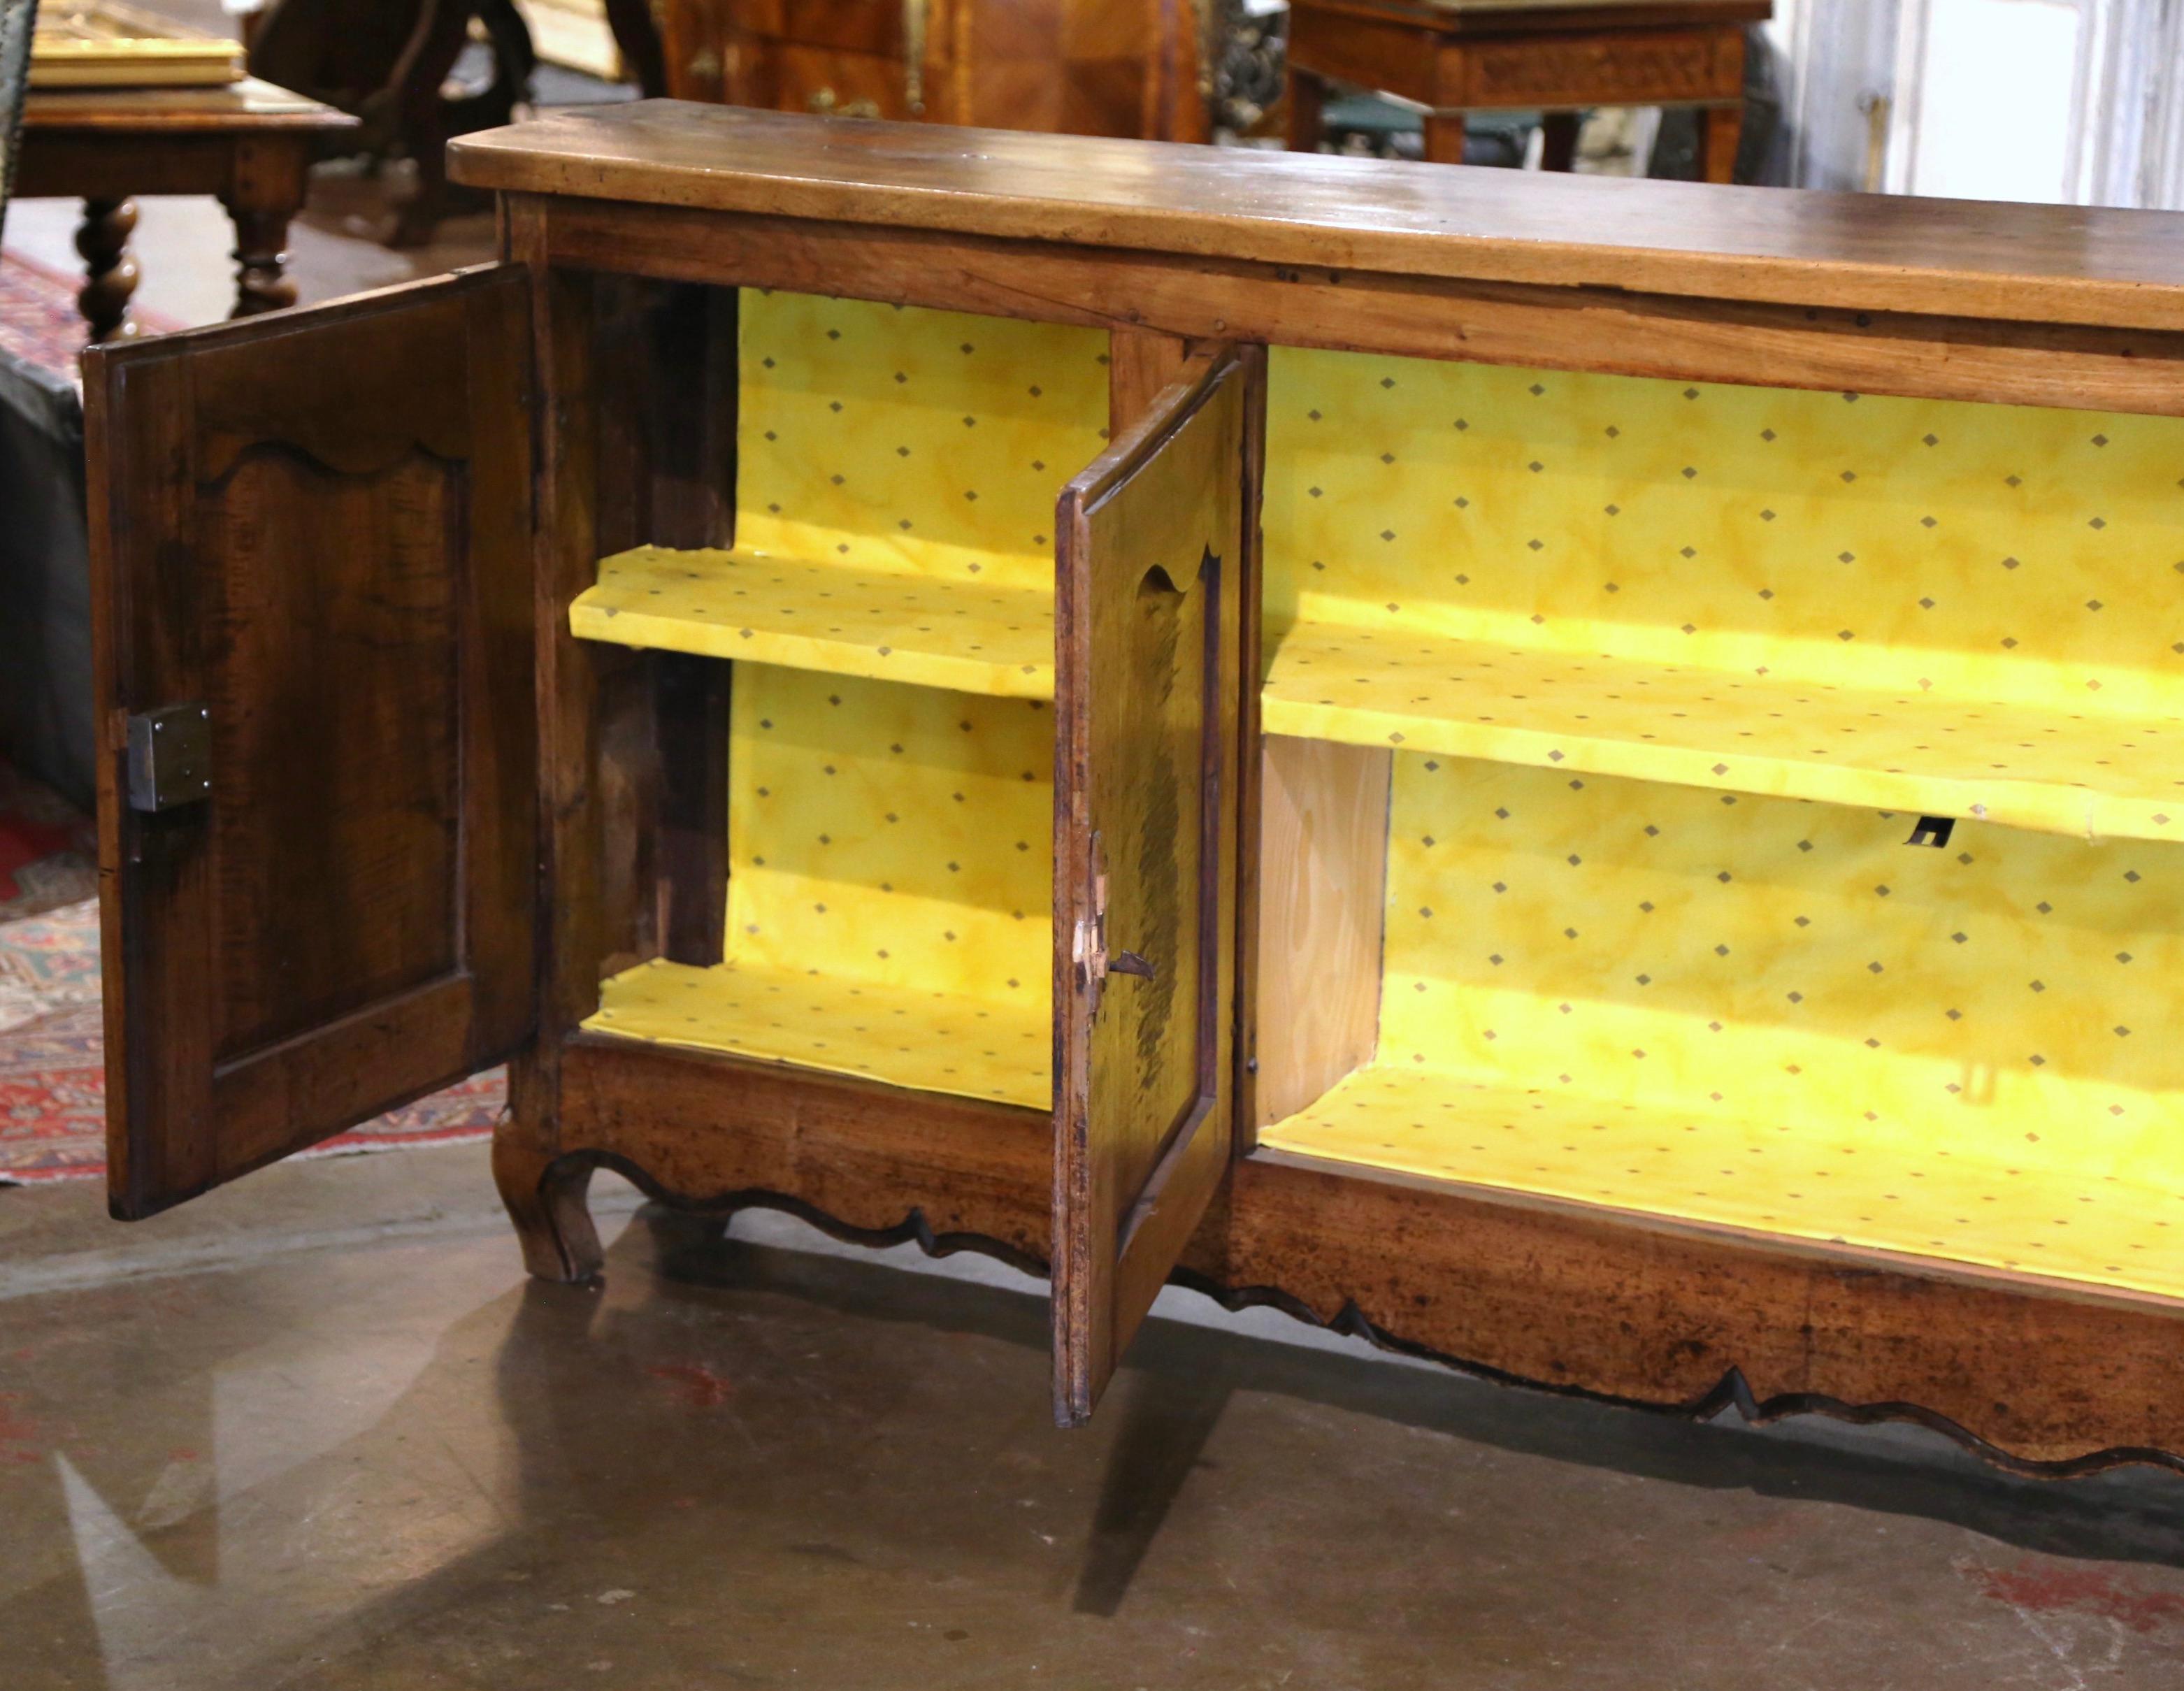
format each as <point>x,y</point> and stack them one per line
<point>1960,610</point>
<point>766,610</point>
<point>890,892</point>
<point>935,1041</point>
<point>1769,1013</point>
<point>2115,1229</point>
<point>2088,772</point>
<point>896,474</point>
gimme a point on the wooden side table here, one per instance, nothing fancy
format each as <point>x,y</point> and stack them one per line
<point>1484,55</point>
<point>249,144</point>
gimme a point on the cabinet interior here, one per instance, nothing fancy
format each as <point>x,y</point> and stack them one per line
<point>886,612</point>
<point>1602,710</point>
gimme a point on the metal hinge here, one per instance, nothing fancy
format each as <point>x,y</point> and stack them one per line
<point>170,758</point>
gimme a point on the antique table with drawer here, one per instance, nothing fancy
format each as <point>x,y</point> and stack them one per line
<point>1453,56</point>
<point>1576,774</point>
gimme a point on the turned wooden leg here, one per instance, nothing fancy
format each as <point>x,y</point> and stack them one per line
<point>1558,140</point>
<point>545,1197</point>
<point>261,261</point>
<point>1444,137</point>
<point>109,267</point>
<point>268,176</point>
<point>1307,105</point>
<point>1720,129</point>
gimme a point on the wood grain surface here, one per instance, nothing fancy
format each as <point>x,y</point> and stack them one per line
<point>1148,677</point>
<point>319,526</point>
<point>1879,252</point>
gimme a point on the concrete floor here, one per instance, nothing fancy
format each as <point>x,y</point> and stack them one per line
<point>315,1430</point>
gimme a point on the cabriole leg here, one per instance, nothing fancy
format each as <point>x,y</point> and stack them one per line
<point>545,1196</point>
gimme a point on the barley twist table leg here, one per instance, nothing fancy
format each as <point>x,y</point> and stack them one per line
<point>110,268</point>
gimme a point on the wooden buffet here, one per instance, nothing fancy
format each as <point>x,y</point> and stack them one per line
<point>1596,751</point>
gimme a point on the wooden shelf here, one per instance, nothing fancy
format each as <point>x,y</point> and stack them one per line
<point>800,615</point>
<point>2031,1214</point>
<point>2086,772</point>
<point>934,1041</point>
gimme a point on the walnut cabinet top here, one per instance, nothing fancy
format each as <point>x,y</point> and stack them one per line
<point>2054,264</point>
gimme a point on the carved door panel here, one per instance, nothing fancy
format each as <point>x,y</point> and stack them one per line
<point>311,584</point>
<point>1154,569</point>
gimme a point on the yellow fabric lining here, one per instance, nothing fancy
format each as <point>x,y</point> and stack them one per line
<point>936,1042</point>
<point>1774,1014</point>
<point>897,439</point>
<point>778,610</point>
<point>2028,765</point>
<point>890,882</point>
<point>890,891</point>
<point>1988,596</point>
<point>896,474</point>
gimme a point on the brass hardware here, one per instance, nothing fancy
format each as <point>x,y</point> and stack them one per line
<point>913,56</point>
<point>826,103</point>
<point>170,758</point>
<point>1878,111</point>
<point>1206,13</point>
<point>705,65</point>
<point>1089,943</point>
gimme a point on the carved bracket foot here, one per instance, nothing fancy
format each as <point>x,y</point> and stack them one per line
<point>546,1200</point>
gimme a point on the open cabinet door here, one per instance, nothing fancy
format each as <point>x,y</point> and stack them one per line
<point>311,573</point>
<point>1156,562</point>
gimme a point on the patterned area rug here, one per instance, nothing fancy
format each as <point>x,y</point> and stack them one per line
<point>53,1082</point>
<point>38,318</point>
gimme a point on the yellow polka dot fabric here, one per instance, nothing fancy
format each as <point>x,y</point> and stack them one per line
<point>890,888</point>
<point>1973,610</point>
<point>935,1041</point>
<point>896,475</point>
<point>848,622</point>
<point>1774,1014</point>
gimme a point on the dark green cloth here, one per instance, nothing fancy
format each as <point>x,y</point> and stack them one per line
<point>45,587</point>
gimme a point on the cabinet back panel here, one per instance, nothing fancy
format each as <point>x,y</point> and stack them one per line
<point>1998,551</point>
<point>895,834</point>
<point>890,891</point>
<point>1772,1013</point>
<point>899,439</point>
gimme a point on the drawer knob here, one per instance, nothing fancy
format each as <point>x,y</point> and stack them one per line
<point>826,102</point>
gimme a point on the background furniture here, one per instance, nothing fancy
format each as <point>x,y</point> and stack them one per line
<point>249,144</point>
<point>1596,747</point>
<point>1082,67</point>
<point>1477,55</point>
<point>388,66</point>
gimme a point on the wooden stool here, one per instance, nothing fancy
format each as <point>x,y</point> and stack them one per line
<point>1475,55</point>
